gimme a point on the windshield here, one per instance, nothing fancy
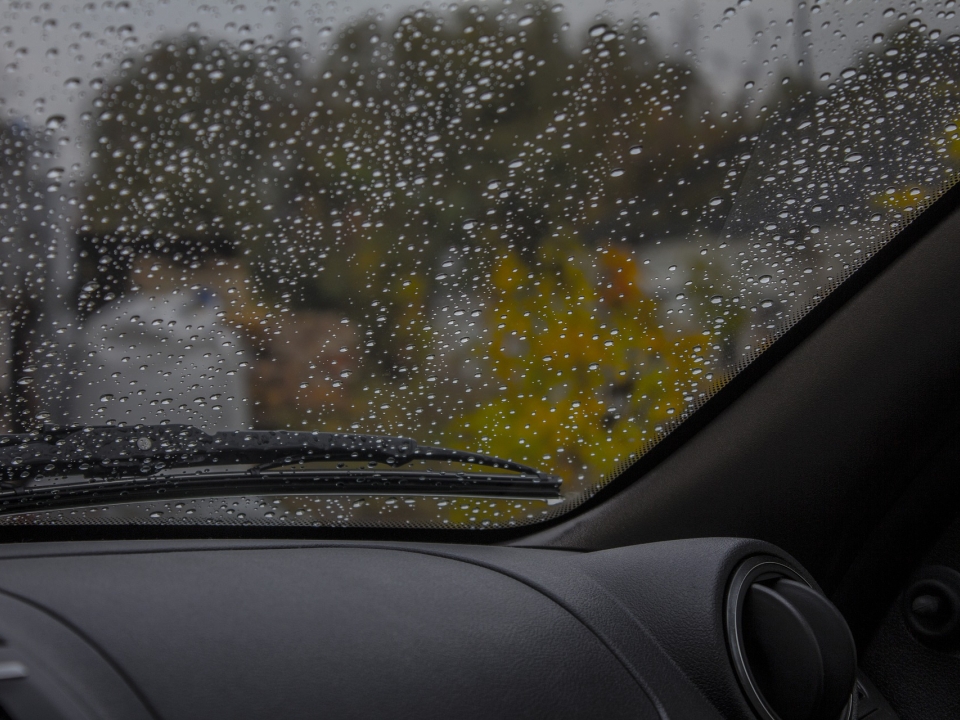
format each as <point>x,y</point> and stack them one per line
<point>545,232</point>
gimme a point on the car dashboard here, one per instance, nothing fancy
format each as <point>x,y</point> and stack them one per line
<point>269,628</point>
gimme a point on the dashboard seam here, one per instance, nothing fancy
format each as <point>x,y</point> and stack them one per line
<point>116,667</point>
<point>624,662</point>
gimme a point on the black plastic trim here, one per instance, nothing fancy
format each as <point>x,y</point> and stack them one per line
<point>752,569</point>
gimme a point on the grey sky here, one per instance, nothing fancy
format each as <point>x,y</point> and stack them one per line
<point>55,54</point>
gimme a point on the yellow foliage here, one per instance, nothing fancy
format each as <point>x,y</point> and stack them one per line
<point>584,369</point>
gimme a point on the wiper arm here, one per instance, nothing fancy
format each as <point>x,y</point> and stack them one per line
<point>142,451</point>
<point>272,483</point>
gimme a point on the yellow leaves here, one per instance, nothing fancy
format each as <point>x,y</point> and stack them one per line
<point>946,144</point>
<point>506,273</point>
<point>621,268</point>
<point>907,199</point>
<point>587,368</point>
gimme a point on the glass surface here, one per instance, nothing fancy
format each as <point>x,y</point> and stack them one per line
<point>537,230</point>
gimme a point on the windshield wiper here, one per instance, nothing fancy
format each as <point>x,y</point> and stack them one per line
<point>138,459</point>
<point>265,484</point>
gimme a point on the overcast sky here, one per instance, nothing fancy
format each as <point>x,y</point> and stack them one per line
<point>54,54</point>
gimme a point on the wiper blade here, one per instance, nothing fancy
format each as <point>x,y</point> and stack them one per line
<point>260,483</point>
<point>141,451</point>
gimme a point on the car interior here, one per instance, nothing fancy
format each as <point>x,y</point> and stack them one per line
<point>824,478</point>
<point>789,551</point>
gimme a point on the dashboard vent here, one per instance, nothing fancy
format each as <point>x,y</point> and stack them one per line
<point>790,647</point>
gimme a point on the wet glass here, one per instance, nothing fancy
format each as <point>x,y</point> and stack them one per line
<point>543,231</point>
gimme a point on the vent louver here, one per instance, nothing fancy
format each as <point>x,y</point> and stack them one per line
<point>791,648</point>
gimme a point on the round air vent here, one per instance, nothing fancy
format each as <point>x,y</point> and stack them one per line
<point>791,648</point>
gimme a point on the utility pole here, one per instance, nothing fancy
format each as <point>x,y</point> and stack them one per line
<point>37,261</point>
<point>801,41</point>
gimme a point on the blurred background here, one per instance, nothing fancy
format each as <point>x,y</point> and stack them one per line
<point>540,231</point>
